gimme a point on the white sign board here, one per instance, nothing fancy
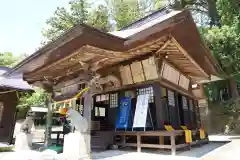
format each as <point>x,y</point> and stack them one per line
<point>141,111</point>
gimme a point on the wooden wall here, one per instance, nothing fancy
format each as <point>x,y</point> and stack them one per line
<point>156,73</point>
<point>9,101</point>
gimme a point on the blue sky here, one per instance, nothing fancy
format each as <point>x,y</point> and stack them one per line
<point>21,22</point>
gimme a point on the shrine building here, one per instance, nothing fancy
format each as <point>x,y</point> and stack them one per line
<point>151,74</point>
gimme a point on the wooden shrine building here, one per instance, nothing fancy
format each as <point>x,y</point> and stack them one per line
<point>161,55</point>
<point>10,86</point>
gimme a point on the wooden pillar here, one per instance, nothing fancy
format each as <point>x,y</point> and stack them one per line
<point>87,115</point>
<point>48,123</point>
<point>138,142</point>
<point>161,140</point>
<point>173,145</point>
<point>48,88</point>
<point>160,110</point>
<point>123,140</point>
<point>74,104</point>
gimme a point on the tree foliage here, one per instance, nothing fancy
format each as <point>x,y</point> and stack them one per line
<point>99,18</point>
<point>229,11</point>
<point>7,59</point>
<point>25,99</point>
<point>224,43</point>
<point>124,12</point>
<point>204,11</point>
<point>39,97</point>
<point>106,16</point>
<point>80,12</point>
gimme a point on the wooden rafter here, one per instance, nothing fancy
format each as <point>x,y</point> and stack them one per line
<point>95,58</point>
<point>156,43</point>
<point>190,58</point>
<point>163,47</point>
<point>77,56</point>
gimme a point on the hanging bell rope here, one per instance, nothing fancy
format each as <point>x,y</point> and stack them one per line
<point>78,95</point>
<point>63,110</point>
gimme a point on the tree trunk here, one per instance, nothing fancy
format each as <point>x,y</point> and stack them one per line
<point>213,13</point>
<point>233,89</point>
<point>235,98</point>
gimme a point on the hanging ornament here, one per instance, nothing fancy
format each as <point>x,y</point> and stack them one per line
<point>63,111</point>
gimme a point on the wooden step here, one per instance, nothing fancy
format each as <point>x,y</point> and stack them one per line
<point>97,142</point>
<point>101,139</point>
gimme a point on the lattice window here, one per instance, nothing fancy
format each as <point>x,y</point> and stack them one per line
<point>171,98</point>
<point>184,103</point>
<point>100,112</point>
<point>148,90</point>
<point>113,100</point>
<point>102,97</point>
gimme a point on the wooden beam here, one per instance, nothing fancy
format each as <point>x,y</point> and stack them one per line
<point>190,58</point>
<point>170,50</point>
<point>161,81</point>
<point>109,55</point>
<point>164,46</point>
<point>105,53</point>
<point>177,56</point>
<point>159,41</point>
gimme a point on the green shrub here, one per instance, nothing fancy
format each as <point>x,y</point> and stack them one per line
<point>6,148</point>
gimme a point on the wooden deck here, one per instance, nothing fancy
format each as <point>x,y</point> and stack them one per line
<point>172,134</point>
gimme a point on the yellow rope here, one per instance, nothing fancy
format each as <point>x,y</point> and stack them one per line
<point>74,97</point>
<point>81,92</point>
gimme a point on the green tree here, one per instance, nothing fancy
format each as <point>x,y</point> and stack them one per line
<point>99,18</point>
<point>229,12</point>
<point>124,12</point>
<point>26,100</point>
<point>64,20</point>
<point>7,59</point>
<point>80,12</point>
<point>224,43</point>
<point>206,9</point>
<point>39,97</point>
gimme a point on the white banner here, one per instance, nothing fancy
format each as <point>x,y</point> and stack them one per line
<point>141,111</point>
